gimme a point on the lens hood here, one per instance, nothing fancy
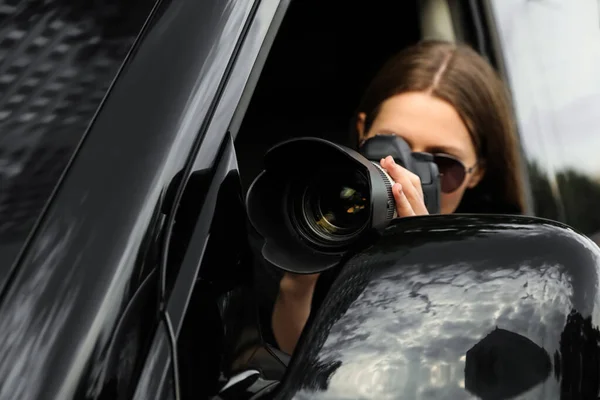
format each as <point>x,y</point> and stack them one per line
<point>291,168</point>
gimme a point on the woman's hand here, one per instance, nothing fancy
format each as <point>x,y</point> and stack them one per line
<point>298,285</point>
<point>292,308</point>
<point>407,190</point>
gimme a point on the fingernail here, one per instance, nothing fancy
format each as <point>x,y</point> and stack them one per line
<point>398,187</point>
<point>390,159</point>
<point>381,161</point>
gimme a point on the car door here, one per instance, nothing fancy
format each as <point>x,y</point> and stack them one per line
<point>57,62</point>
<point>208,216</point>
<point>98,269</point>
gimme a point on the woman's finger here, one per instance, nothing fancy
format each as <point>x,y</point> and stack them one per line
<point>413,196</point>
<point>416,182</point>
<point>403,207</point>
<point>396,171</point>
<point>411,189</point>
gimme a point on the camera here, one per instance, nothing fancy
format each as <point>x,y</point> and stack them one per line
<point>315,202</point>
<point>420,163</point>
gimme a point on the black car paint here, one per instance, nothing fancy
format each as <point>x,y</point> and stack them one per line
<point>95,303</point>
<point>57,61</point>
<point>400,318</point>
<point>89,259</point>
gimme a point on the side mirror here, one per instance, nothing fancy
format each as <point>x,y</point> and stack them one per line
<point>454,306</point>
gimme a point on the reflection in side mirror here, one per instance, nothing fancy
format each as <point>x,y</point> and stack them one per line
<point>434,308</point>
<point>505,364</point>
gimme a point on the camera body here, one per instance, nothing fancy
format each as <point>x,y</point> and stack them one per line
<point>317,202</point>
<point>421,164</point>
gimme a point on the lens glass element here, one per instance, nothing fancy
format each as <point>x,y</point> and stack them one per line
<point>340,209</point>
<point>333,209</point>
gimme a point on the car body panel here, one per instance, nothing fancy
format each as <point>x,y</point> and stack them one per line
<point>101,235</point>
<point>216,157</point>
<point>402,316</point>
<point>156,381</point>
<point>57,61</point>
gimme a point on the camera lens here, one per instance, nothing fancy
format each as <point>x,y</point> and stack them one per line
<point>332,211</point>
<point>336,211</point>
<point>328,203</point>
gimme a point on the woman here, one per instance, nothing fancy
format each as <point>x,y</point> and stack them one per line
<point>444,99</point>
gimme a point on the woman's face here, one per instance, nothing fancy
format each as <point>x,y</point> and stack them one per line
<point>431,125</point>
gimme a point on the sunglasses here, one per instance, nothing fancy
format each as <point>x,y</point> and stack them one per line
<point>452,172</point>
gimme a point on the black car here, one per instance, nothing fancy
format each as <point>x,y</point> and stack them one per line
<point>131,130</point>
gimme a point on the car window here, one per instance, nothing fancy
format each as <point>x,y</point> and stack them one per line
<point>552,54</point>
<point>57,61</point>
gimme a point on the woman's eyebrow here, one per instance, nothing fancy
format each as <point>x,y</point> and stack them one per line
<point>451,150</point>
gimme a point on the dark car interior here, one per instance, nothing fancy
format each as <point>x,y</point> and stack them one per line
<point>323,57</point>
<point>321,60</point>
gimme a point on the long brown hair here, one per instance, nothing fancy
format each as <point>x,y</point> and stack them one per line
<point>459,75</point>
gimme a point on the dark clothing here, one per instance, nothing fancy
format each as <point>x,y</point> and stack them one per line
<point>475,202</point>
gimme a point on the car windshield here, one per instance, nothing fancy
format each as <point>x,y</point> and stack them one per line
<point>57,61</point>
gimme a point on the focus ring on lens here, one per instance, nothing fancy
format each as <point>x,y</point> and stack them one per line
<point>387,180</point>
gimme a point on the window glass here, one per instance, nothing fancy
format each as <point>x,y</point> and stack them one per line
<point>57,60</point>
<point>552,54</point>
